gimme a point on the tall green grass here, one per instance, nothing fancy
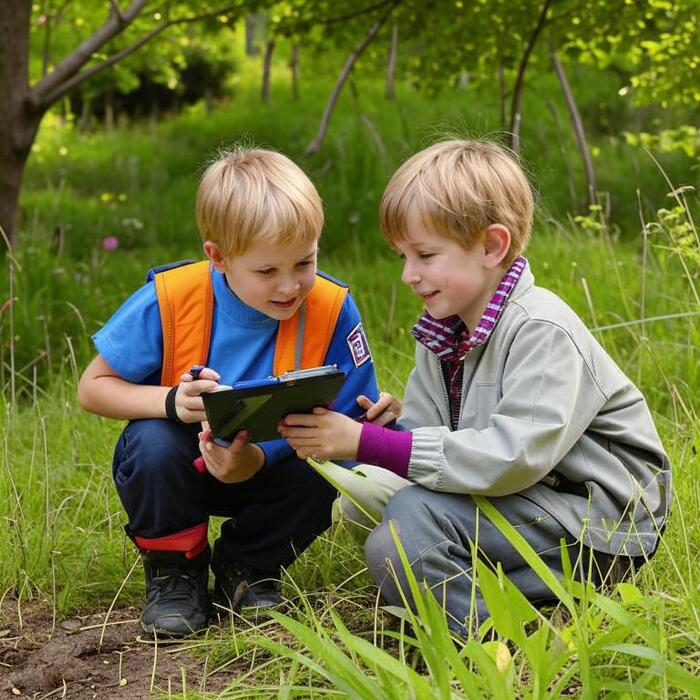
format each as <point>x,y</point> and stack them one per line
<point>62,541</point>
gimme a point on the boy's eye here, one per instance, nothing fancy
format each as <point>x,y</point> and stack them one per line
<point>305,263</point>
<point>425,256</point>
<point>266,271</point>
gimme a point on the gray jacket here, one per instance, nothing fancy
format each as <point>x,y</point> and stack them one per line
<point>545,412</point>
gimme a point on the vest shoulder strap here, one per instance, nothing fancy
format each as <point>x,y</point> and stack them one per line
<point>186,302</point>
<point>311,328</point>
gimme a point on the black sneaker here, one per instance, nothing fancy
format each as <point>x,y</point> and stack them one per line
<point>177,602</point>
<point>240,588</point>
<point>264,592</point>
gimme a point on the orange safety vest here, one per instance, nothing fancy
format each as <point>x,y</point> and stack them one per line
<point>186,301</point>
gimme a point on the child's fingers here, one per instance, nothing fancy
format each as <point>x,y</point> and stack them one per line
<point>364,402</point>
<point>300,419</point>
<point>240,441</point>
<point>204,373</point>
<point>197,387</point>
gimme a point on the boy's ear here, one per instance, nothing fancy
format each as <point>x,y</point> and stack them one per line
<point>496,244</point>
<point>213,252</point>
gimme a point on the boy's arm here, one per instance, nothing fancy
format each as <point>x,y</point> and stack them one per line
<point>102,391</point>
<point>550,396</point>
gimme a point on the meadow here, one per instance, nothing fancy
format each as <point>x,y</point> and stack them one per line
<point>100,209</point>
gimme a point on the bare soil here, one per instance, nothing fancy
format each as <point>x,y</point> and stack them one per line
<point>83,657</point>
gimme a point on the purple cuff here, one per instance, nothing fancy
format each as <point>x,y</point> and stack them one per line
<point>386,448</point>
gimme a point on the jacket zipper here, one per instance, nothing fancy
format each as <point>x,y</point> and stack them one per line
<point>445,395</point>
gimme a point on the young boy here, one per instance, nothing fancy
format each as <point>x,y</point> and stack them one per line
<point>257,308</point>
<point>511,397</point>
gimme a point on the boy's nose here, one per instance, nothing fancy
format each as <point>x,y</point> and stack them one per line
<point>409,276</point>
<point>289,286</point>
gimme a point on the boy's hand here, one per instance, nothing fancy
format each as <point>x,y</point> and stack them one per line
<point>188,402</point>
<point>323,434</point>
<point>231,465</point>
<point>385,410</point>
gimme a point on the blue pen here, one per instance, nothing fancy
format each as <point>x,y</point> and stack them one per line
<point>196,370</point>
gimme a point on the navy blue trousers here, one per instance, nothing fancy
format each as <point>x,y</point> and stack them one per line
<point>274,515</point>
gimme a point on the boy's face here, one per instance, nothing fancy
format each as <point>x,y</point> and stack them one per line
<point>273,278</point>
<point>448,278</point>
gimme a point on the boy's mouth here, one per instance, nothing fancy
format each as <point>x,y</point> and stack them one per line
<point>284,304</point>
<point>430,295</point>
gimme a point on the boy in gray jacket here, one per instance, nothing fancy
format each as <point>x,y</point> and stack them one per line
<point>511,398</point>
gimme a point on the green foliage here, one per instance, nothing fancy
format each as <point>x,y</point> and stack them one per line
<point>634,284</point>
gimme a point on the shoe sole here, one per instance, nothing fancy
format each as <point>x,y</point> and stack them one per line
<point>154,630</point>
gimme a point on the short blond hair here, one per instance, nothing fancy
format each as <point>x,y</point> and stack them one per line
<point>253,195</point>
<point>458,188</point>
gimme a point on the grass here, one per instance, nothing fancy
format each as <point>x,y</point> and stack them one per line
<point>62,540</point>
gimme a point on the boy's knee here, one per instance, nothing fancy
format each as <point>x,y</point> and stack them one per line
<point>413,508</point>
<point>150,446</point>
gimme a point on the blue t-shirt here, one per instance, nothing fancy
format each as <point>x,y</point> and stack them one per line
<point>242,347</point>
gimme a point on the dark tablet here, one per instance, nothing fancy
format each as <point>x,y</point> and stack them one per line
<point>259,405</point>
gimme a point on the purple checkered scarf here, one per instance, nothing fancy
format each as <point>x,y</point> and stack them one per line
<point>450,340</point>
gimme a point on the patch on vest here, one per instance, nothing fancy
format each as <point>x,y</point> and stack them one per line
<point>359,349</point>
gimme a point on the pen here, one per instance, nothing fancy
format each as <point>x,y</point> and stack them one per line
<point>196,370</point>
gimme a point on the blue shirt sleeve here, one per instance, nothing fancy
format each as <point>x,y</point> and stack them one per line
<point>131,341</point>
<point>350,351</point>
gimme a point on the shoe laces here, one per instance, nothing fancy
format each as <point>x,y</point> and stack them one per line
<point>168,579</point>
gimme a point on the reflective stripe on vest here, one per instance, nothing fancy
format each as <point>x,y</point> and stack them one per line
<point>186,302</point>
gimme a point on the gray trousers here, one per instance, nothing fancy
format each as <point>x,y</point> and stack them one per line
<point>438,531</point>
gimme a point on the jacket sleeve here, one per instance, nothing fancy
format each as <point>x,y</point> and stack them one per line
<point>549,398</point>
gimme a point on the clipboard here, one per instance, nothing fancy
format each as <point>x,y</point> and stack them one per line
<point>259,405</point>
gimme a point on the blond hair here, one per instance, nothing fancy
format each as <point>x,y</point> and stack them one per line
<point>458,188</point>
<point>252,195</point>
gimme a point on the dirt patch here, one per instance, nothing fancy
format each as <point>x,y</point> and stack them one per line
<point>85,658</point>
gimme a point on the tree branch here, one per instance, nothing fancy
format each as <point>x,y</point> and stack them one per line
<point>316,142</point>
<point>116,10</point>
<point>77,79</point>
<point>515,115</point>
<point>577,123</point>
<point>357,13</point>
<point>46,51</point>
<point>304,25</point>
<point>72,63</point>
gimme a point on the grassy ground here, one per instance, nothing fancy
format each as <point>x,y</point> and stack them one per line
<point>62,542</point>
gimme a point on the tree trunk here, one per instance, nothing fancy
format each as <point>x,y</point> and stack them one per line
<point>23,106</point>
<point>516,102</point>
<point>267,63</point>
<point>502,94</point>
<point>294,68</point>
<point>578,129</point>
<point>251,25</point>
<point>564,154</point>
<point>391,62</point>
<point>85,115</point>
<point>109,111</point>
<point>316,142</point>
<point>20,118</point>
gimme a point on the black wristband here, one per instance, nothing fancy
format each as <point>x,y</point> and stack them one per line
<point>170,409</point>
